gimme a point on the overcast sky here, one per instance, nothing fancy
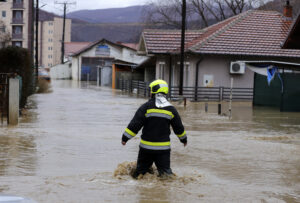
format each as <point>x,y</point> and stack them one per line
<point>90,4</point>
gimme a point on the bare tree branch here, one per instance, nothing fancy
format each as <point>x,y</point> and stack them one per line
<point>204,12</point>
<point>5,36</point>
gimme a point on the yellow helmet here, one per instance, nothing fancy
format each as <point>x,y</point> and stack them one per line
<point>159,86</point>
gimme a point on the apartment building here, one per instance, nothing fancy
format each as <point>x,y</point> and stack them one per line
<point>50,38</point>
<point>16,17</point>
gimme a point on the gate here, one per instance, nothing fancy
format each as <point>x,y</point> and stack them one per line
<point>4,78</point>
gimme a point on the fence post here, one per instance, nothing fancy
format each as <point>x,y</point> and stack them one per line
<point>13,105</point>
<point>196,93</point>
<point>138,87</point>
<point>222,93</point>
<point>145,90</point>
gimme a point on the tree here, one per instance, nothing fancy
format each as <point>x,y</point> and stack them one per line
<point>5,36</point>
<point>165,13</point>
<point>203,12</point>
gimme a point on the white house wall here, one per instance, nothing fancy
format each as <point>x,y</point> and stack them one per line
<point>216,67</point>
<point>118,53</point>
<point>219,68</point>
<point>131,56</point>
<point>75,68</point>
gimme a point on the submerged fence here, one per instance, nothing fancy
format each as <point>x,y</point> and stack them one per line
<point>192,93</point>
<point>3,95</point>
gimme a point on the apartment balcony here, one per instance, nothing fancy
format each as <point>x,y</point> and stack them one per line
<point>17,21</point>
<point>18,5</point>
<point>17,36</point>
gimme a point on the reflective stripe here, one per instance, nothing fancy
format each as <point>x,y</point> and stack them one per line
<point>182,136</point>
<point>128,133</point>
<point>155,147</point>
<point>159,113</point>
<point>155,143</point>
<point>163,85</point>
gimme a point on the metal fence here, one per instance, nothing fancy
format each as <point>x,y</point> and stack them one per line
<point>192,93</point>
<point>4,78</point>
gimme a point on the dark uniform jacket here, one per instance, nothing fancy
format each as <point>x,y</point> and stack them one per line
<point>156,123</point>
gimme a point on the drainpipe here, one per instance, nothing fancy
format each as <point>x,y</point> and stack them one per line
<point>197,73</point>
<point>170,75</point>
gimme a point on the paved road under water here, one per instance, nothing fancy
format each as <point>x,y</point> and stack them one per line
<point>67,147</point>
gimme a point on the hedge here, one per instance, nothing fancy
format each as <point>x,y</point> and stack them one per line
<point>19,60</point>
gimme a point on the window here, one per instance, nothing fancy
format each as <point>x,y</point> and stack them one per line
<point>17,29</point>
<point>3,14</point>
<point>2,29</point>
<point>17,44</point>
<point>161,70</point>
<point>18,15</point>
<point>186,74</point>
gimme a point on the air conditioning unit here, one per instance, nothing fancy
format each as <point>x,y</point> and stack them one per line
<point>237,67</point>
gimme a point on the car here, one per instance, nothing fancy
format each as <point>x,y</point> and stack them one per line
<point>14,199</point>
<point>44,75</point>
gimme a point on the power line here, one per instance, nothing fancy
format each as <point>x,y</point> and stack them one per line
<point>64,4</point>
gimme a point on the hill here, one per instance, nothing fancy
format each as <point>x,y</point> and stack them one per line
<point>132,14</point>
<point>86,32</point>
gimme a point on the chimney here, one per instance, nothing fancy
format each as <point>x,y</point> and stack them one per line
<point>288,10</point>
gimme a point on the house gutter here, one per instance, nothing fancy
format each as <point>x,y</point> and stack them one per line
<point>197,77</point>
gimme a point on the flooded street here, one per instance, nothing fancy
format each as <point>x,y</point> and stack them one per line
<point>68,146</point>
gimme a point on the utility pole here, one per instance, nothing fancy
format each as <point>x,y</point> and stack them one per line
<point>182,46</point>
<point>65,4</point>
<point>37,40</point>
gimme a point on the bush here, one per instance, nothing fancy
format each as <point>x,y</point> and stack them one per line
<point>18,60</point>
<point>43,86</point>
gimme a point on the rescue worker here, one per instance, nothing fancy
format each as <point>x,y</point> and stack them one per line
<point>155,116</point>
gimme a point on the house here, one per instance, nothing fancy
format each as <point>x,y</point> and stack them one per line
<point>73,47</point>
<point>106,62</point>
<point>255,35</point>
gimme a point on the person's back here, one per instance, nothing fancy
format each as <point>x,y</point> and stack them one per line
<point>155,116</point>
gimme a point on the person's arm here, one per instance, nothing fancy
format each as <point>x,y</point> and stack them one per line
<point>135,124</point>
<point>178,128</point>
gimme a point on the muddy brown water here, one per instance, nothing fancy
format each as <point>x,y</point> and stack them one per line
<point>67,149</point>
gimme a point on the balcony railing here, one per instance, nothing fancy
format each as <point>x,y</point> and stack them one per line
<point>18,5</point>
<point>17,21</point>
<point>17,36</point>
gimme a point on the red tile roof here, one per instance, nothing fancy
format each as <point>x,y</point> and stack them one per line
<point>129,45</point>
<point>253,33</point>
<point>73,47</point>
<point>165,41</point>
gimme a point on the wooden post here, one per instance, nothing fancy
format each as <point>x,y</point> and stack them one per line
<point>13,101</point>
<point>113,86</point>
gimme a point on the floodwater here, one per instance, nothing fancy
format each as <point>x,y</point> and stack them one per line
<point>67,148</point>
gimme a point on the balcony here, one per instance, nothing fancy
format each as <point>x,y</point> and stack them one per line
<point>17,36</point>
<point>18,5</point>
<point>17,21</point>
